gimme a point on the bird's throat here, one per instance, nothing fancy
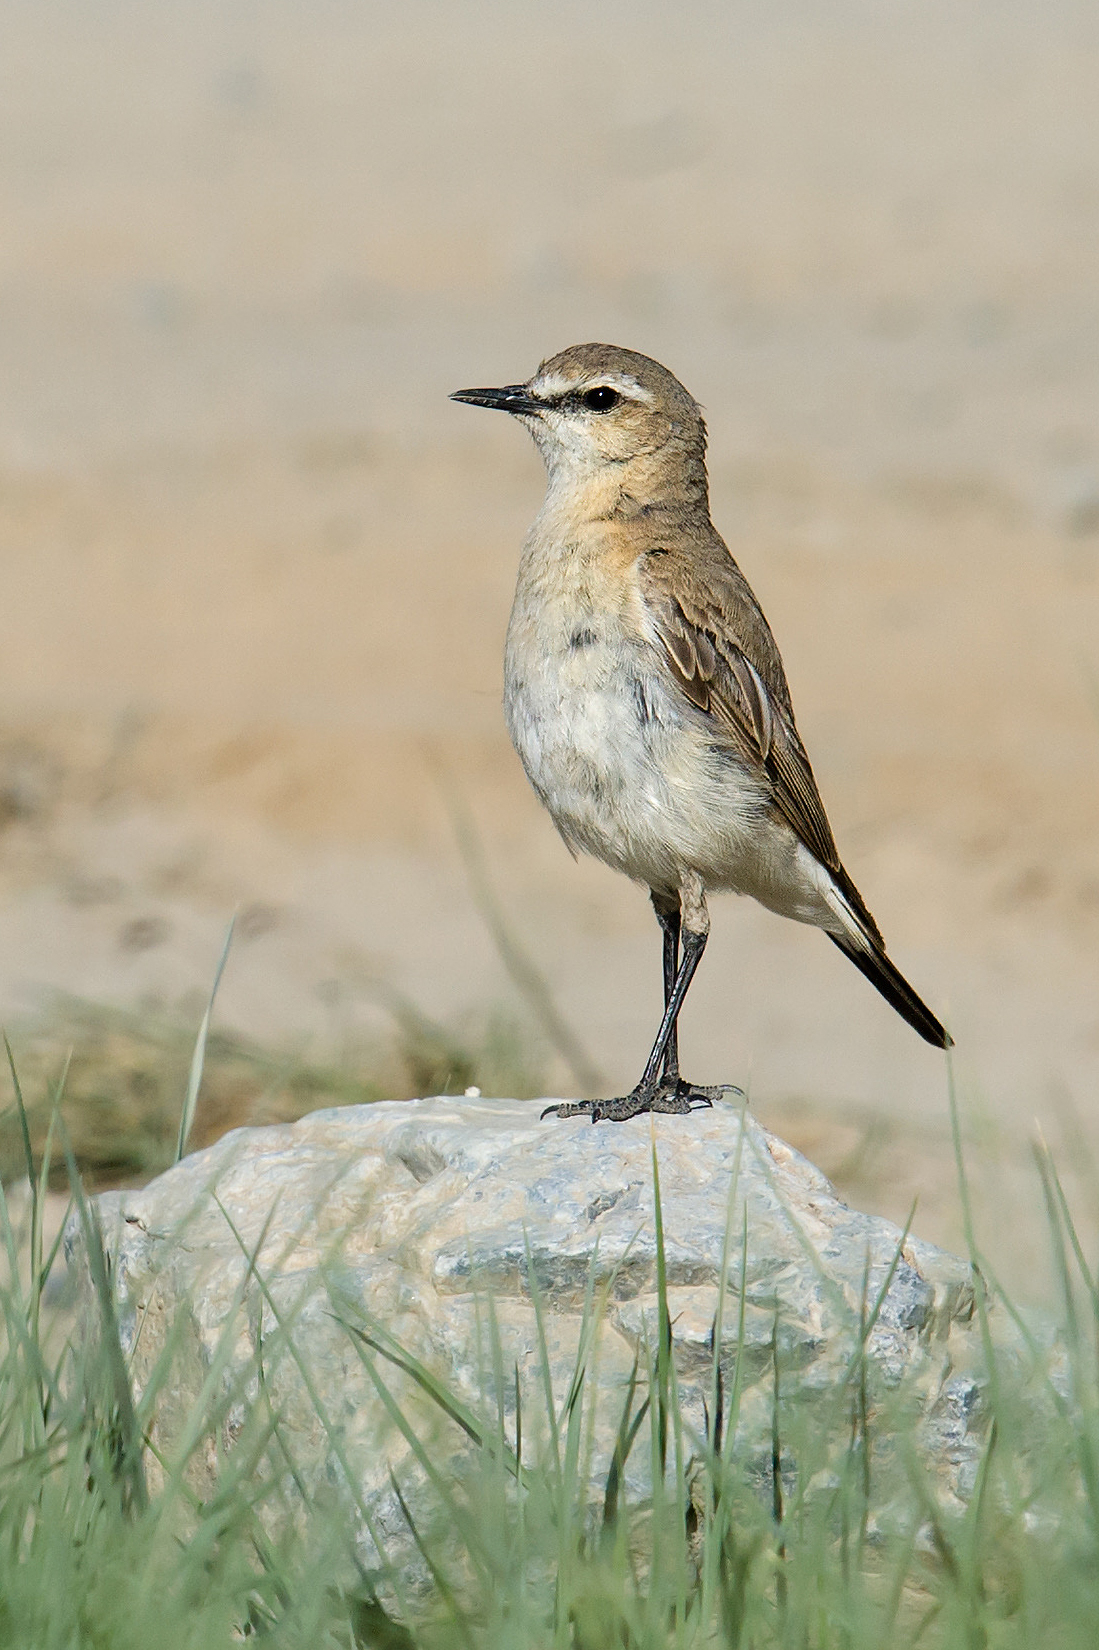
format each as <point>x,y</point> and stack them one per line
<point>648,484</point>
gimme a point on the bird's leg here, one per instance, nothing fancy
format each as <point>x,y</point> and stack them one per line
<point>685,926</point>
<point>668,916</point>
<point>690,931</point>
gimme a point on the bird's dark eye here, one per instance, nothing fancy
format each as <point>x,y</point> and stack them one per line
<point>601,399</point>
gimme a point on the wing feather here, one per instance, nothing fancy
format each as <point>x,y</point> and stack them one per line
<point>710,626</point>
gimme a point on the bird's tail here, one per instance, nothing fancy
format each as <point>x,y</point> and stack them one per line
<point>874,963</point>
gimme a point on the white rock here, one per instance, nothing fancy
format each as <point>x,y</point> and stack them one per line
<point>412,1214</point>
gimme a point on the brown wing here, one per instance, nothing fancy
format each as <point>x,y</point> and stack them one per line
<point>724,658</point>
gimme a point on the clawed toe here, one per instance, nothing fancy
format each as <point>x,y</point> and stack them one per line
<point>678,1097</point>
<point>672,1095</point>
<point>604,1111</point>
<point>571,1108</point>
<point>684,1097</point>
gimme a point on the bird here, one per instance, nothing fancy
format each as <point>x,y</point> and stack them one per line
<point>646,697</point>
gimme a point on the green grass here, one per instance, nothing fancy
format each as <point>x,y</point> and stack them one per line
<point>104,1542</point>
<point>127,1073</point>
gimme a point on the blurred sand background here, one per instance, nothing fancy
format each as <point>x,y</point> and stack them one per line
<point>255,568</point>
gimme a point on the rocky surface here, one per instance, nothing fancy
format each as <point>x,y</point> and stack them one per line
<point>413,1216</point>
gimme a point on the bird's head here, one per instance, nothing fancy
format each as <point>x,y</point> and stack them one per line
<point>595,408</point>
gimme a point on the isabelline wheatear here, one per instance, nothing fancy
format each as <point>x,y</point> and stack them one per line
<point>645,694</point>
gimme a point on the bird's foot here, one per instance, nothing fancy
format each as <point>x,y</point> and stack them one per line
<point>671,1094</point>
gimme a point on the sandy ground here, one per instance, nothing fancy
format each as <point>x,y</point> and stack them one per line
<point>255,569</point>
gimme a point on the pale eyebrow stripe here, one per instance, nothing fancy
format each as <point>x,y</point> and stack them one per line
<point>557,388</point>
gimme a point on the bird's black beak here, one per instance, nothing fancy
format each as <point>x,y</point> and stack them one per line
<point>512,398</point>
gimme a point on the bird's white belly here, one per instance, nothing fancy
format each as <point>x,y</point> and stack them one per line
<point>627,773</point>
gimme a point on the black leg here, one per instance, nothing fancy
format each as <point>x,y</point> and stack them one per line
<point>686,928</point>
<point>668,917</point>
<point>693,947</point>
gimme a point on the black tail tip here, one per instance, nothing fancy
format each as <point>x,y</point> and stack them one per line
<point>887,979</point>
<point>929,1028</point>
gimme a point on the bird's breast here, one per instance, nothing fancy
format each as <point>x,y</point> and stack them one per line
<point>626,767</point>
<point>576,699</point>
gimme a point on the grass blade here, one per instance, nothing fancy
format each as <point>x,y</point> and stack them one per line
<point>198,1059</point>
